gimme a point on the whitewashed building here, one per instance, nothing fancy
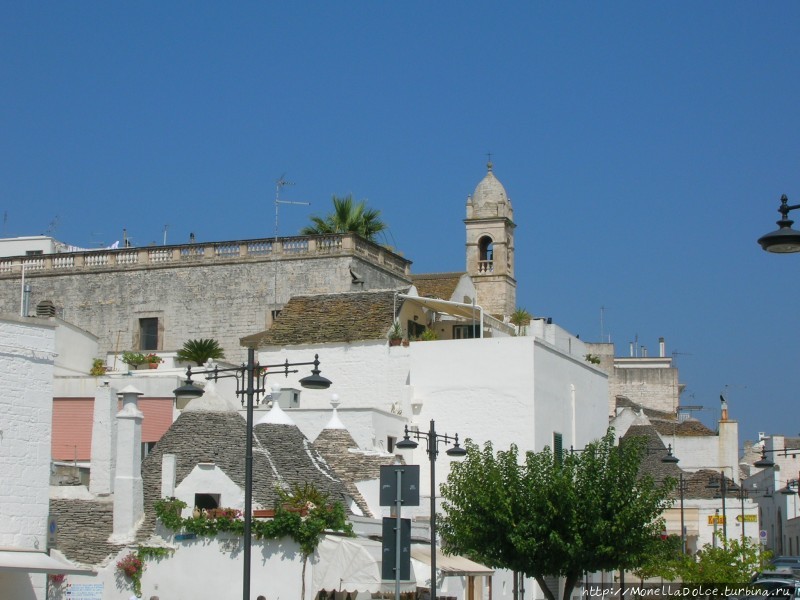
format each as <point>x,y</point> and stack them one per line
<point>27,354</point>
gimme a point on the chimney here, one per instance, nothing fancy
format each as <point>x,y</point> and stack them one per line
<point>662,347</point>
<point>168,467</point>
<point>128,493</point>
<point>104,439</point>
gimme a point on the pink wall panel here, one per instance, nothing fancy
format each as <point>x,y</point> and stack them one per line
<point>72,425</point>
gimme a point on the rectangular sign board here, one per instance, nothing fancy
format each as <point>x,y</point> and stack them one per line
<point>84,591</point>
<point>747,518</point>
<point>409,485</point>
<point>389,550</point>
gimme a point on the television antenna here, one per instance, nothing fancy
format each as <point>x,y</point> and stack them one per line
<point>279,185</point>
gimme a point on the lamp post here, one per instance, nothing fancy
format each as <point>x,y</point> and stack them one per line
<point>784,239</point>
<point>433,439</point>
<point>250,378</point>
<point>723,485</point>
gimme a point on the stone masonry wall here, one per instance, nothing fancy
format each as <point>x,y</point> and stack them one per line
<point>224,300</point>
<point>653,388</point>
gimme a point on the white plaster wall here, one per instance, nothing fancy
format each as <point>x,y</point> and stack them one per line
<point>484,389</point>
<point>20,245</point>
<point>27,349</point>
<point>75,349</point>
<point>570,398</point>
<point>207,478</point>
<point>465,290</point>
<point>708,508</point>
<point>208,568</point>
<point>702,452</point>
<point>364,374</point>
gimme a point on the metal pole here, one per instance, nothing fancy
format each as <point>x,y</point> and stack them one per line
<point>683,526</point>
<point>724,519</point>
<point>716,520</point>
<point>432,456</point>
<point>397,544</point>
<point>248,475</point>
<point>741,495</point>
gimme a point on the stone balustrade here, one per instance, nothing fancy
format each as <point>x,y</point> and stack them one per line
<point>268,248</point>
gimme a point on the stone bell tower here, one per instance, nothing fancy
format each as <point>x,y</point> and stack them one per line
<point>490,246</point>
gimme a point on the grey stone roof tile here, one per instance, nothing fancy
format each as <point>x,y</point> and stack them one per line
<point>325,318</point>
<point>437,285</point>
<point>282,458</point>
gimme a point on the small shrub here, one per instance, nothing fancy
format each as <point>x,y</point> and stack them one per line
<point>134,359</point>
<point>98,368</point>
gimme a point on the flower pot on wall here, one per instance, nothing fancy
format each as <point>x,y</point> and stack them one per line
<point>153,365</point>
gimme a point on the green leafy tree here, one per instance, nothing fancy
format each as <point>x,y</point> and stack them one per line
<point>554,515</point>
<point>200,351</point>
<point>733,563</point>
<point>348,216</point>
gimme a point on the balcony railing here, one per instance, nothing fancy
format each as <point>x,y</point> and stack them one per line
<point>207,253</point>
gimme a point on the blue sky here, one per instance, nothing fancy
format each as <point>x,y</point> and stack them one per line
<point>644,146</point>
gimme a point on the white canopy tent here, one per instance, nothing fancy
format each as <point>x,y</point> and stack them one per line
<point>351,565</point>
<point>31,561</point>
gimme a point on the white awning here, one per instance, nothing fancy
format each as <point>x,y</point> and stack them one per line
<point>457,309</point>
<point>31,561</point>
<point>447,565</point>
<point>350,565</point>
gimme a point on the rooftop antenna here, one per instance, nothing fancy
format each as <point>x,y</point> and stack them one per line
<point>279,185</point>
<point>602,329</point>
<point>675,355</point>
<point>51,228</point>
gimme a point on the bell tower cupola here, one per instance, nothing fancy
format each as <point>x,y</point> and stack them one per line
<point>490,246</point>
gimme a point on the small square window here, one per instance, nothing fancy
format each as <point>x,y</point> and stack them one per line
<point>206,501</point>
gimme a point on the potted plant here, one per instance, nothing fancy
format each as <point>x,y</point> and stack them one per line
<point>428,335</point>
<point>98,368</point>
<point>395,334</point>
<point>153,360</point>
<point>133,359</point>
<point>199,351</point>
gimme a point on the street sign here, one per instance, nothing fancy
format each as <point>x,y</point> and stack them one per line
<point>389,550</point>
<point>720,520</point>
<point>747,518</point>
<point>762,536</point>
<point>52,530</point>
<point>409,492</point>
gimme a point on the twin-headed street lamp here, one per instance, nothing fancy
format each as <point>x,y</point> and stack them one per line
<point>433,440</point>
<point>250,380</point>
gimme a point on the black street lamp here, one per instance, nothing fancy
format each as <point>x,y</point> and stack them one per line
<point>250,379</point>
<point>433,439</point>
<point>723,487</point>
<point>765,461</point>
<point>784,239</point>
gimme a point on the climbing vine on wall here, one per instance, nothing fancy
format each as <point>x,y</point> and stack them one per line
<point>302,514</point>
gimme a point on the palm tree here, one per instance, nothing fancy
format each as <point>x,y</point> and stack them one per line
<point>348,216</point>
<point>521,318</point>
<point>199,351</point>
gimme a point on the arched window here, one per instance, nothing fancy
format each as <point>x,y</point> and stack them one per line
<point>486,255</point>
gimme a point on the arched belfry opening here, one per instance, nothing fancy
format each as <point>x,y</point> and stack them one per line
<point>490,246</point>
<point>486,254</point>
